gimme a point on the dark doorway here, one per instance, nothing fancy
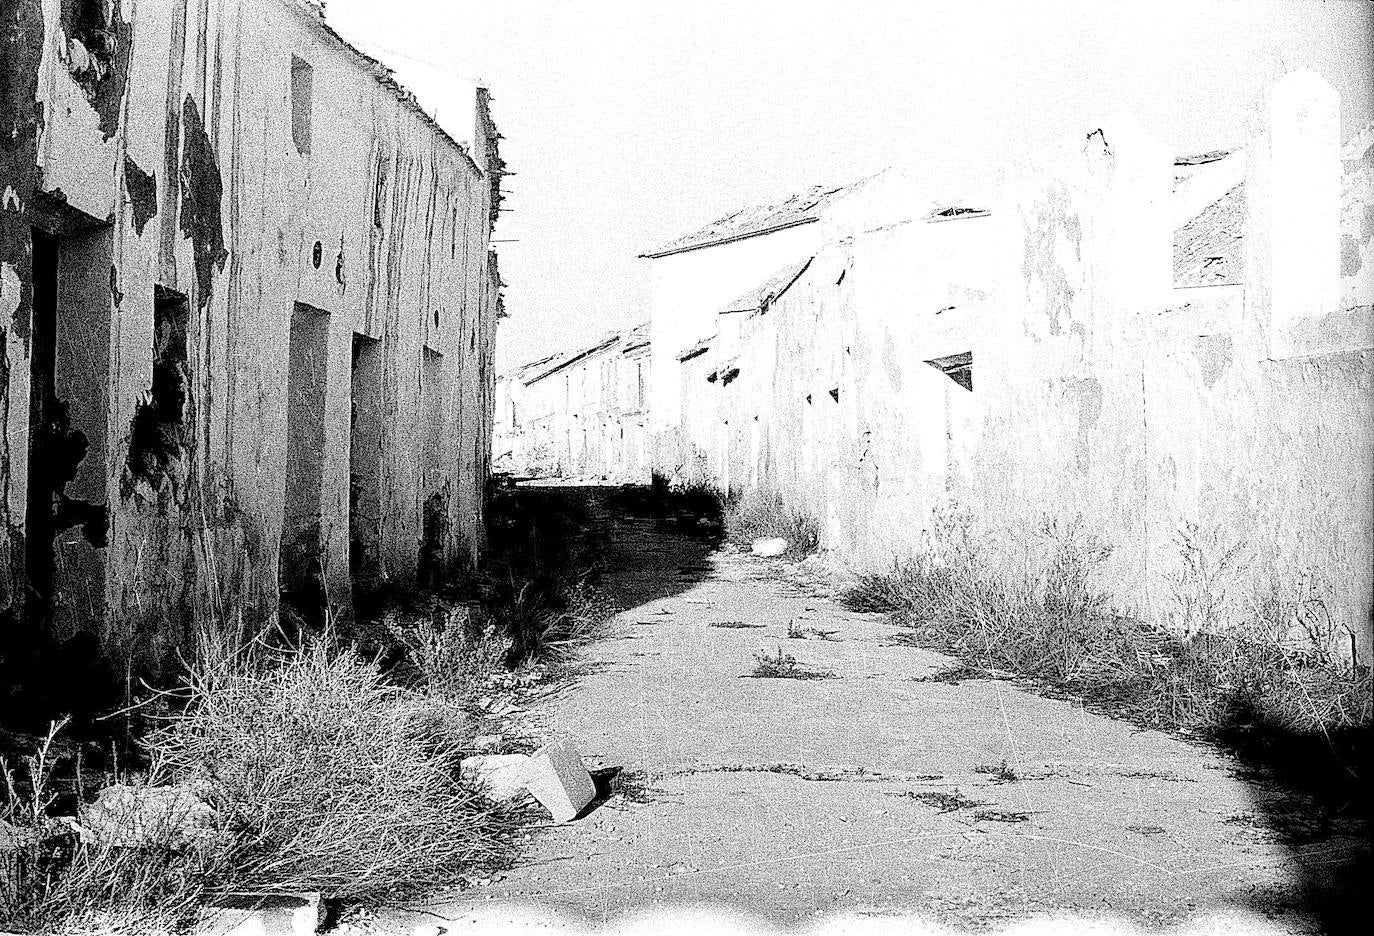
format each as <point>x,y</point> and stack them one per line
<point>301,562</point>
<point>365,467</point>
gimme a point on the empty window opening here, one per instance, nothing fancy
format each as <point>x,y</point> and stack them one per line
<point>158,438</point>
<point>835,394</point>
<point>365,466</point>
<point>957,367</point>
<point>639,383</point>
<point>302,96</point>
<point>302,579</point>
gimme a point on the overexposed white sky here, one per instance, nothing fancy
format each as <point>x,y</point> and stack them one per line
<point>629,123</point>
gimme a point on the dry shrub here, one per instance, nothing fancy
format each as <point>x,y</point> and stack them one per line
<point>329,779</point>
<point>760,514</point>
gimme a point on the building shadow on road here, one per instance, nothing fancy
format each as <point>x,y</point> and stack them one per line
<point>1311,794</point>
<point>625,545</point>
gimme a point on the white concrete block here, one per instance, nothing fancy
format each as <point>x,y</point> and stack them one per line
<point>560,781</point>
<point>502,775</point>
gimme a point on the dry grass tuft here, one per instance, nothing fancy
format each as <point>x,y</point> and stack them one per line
<point>321,775</point>
<point>329,779</point>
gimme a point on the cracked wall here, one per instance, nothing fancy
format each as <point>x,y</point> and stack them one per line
<point>1103,395</point>
<point>177,132</point>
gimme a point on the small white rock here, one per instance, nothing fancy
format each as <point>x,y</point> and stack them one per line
<point>769,548</point>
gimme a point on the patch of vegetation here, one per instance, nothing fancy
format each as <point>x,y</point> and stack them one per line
<point>1000,773</point>
<point>733,625</point>
<point>803,633</point>
<point>316,773</point>
<point>1274,667</point>
<point>784,666</point>
<point>759,514</point>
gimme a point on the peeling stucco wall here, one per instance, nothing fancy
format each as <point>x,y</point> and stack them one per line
<point>172,132</point>
<point>1101,395</point>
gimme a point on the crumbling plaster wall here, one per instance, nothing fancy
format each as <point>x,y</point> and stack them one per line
<point>1102,397</point>
<point>209,194</point>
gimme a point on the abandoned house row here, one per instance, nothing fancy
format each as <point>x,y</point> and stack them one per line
<point>1149,350</point>
<point>1170,356</point>
<point>248,309</point>
<point>578,413</point>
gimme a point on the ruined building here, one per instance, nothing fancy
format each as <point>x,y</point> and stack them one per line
<point>248,309</point>
<point>580,413</point>
<point>1172,355</point>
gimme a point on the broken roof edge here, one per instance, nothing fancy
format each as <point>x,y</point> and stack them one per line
<point>728,239</point>
<point>573,358</point>
<point>761,297</point>
<point>384,76</point>
<point>696,350</point>
<point>956,213</point>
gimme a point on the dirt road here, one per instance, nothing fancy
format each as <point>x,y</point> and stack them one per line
<point>881,790</point>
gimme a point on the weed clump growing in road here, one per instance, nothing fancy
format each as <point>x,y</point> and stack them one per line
<point>784,666</point>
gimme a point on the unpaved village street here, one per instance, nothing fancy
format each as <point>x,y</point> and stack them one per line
<point>880,791</point>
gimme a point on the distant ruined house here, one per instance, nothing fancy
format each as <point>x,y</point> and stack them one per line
<point>248,310</point>
<point>1152,351</point>
<point>581,413</point>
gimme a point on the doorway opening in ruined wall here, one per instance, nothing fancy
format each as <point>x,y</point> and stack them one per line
<point>67,512</point>
<point>435,521</point>
<point>365,467</point>
<point>301,568</point>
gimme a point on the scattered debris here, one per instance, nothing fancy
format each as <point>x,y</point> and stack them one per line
<point>840,773</point>
<point>1000,815</point>
<point>502,776</point>
<point>560,781</point>
<point>1154,775</point>
<point>951,675</point>
<point>769,548</point>
<point>1145,829</point>
<point>732,624</point>
<point>945,802</point>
